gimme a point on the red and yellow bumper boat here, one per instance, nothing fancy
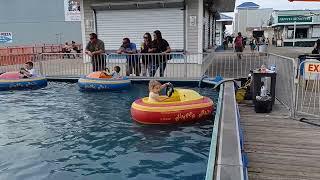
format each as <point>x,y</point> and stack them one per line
<point>183,106</point>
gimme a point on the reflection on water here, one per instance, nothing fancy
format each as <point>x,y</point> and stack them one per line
<point>62,133</point>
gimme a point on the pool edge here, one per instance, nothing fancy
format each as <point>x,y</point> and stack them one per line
<point>214,138</point>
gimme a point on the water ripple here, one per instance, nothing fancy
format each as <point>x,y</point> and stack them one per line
<point>62,133</point>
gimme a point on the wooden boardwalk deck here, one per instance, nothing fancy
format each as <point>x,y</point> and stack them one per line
<point>280,148</point>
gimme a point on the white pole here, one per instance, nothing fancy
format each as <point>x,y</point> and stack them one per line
<point>246,21</point>
<point>294,33</point>
<point>238,30</point>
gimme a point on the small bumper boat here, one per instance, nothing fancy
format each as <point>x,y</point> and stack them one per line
<point>12,81</point>
<point>97,82</point>
<point>183,106</point>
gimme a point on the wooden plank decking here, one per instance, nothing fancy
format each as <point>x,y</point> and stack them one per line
<point>280,148</point>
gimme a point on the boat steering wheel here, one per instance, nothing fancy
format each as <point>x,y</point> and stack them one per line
<point>169,90</point>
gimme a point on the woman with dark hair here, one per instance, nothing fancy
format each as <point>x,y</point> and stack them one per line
<point>159,45</point>
<point>145,46</point>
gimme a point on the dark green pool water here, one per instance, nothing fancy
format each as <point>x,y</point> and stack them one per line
<point>61,133</point>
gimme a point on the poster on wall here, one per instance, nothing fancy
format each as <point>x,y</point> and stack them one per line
<point>72,10</point>
<point>5,37</point>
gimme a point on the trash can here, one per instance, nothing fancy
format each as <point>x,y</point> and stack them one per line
<point>263,101</point>
<point>263,105</point>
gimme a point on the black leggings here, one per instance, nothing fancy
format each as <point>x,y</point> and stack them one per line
<point>98,63</point>
<point>153,67</point>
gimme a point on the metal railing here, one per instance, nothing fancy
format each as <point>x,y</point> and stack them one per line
<point>228,65</point>
<point>62,65</point>
<point>308,89</point>
<point>173,65</point>
<point>14,62</point>
<point>34,49</point>
<point>179,66</point>
<point>285,87</point>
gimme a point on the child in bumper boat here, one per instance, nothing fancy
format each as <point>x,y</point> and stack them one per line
<point>115,73</point>
<point>27,71</point>
<point>155,88</point>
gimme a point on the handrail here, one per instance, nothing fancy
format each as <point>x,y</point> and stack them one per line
<point>229,163</point>
<point>213,147</point>
<point>303,87</point>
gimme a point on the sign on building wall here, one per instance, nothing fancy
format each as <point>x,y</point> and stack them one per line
<point>72,10</point>
<point>5,37</point>
<point>292,19</point>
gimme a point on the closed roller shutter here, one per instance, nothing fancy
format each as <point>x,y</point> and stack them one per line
<point>114,25</point>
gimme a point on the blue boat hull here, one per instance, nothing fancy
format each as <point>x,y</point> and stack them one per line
<point>23,84</point>
<point>96,84</point>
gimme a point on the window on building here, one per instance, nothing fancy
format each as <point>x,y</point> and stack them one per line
<point>290,33</point>
<point>316,31</point>
<point>301,33</point>
<point>258,34</point>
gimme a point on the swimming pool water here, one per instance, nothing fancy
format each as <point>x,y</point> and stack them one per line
<point>62,133</point>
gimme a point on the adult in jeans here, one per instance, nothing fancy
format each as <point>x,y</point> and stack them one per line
<point>95,49</point>
<point>133,65</point>
<point>145,47</point>
<point>159,45</point>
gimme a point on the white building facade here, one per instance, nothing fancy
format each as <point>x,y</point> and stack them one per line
<point>188,25</point>
<point>250,18</point>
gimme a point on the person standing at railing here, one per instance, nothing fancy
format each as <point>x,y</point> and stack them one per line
<point>95,49</point>
<point>145,46</point>
<point>159,45</point>
<point>133,64</point>
<point>238,45</point>
<point>75,48</point>
<point>66,49</point>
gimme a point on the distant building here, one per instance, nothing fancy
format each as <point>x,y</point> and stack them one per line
<point>251,20</point>
<point>37,22</point>
<point>296,27</point>
<point>221,27</point>
<point>188,25</point>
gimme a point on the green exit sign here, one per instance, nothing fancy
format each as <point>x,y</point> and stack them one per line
<point>291,19</point>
